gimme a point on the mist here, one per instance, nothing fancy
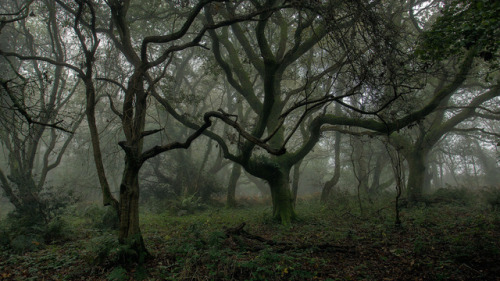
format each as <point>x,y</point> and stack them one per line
<point>249,140</point>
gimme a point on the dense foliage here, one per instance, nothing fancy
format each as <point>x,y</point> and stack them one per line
<point>463,25</point>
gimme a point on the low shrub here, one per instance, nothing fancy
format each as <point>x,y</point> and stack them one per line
<point>187,205</point>
<point>101,218</point>
<point>22,232</point>
<point>452,194</point>
<point>56,230</point>
<point>56,199</point>
<point>491,196</point>
<point>99,249</point>
<point>26,243</point>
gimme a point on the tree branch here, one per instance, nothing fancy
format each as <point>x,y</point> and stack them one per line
<point>51,61</point>
<point>19,108</point>
<point>113,108</point>
<point>481,130</point>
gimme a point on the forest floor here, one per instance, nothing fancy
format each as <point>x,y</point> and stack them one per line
<point>447,241</point>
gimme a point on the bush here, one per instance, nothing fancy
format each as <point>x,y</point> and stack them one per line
<point>211,187</point>
<point>22,233</point>
<point>102,218</point>
<point>156,192</point>
<point>458,195</point>
<point>491,196</point>
<point>26,243</point>
<point>118,274</point>
<point>189,204</point>
<point>33,225</point>
<point>55,200</point>
<point>159,197</point>
<point>56,230</point>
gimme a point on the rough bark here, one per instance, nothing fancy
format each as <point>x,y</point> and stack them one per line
<point>129,230</point>
<point>283,209</point>
<point>231,188</point>
<point>295,181</point>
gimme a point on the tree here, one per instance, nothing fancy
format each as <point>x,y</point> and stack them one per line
<point>38,116</point>
<point>146,65</point>
<point>437,44</point>
<point>257,59</point>
<point>429,133</point>
<point>330,184</point>
<point>464,28</point>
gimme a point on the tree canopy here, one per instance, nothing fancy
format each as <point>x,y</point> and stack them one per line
<point>255,86</point>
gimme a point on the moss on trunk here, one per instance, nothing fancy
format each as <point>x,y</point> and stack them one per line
<point>283,209</point>
<point>130,237</point>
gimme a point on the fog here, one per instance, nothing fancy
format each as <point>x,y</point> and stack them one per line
<point>135,112</point>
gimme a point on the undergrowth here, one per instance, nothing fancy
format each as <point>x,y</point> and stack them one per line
<point>332,241</point>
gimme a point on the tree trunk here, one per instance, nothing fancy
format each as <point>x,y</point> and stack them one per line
<point>231,189</point>
<point>9,193</point>
<point>377,173</point>
<point>283,209</point>
<point>327,188</point>
<point>129,231</point>
<point>32,205</point>
<point>27,200</point>
<point>429,174</point>
<point>295,181</point>
<point>360,163</point>
<point>490,168</point>
<point>107,198</point>
<point>416,178</point>
<point>260,184</point>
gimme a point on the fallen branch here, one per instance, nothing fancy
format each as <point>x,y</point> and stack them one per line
<point>282,247</point>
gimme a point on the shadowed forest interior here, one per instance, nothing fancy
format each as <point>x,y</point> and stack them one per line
<point>249,140</point>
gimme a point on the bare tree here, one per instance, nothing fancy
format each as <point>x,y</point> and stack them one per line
<point>38,116</point>
<point>147,59</point>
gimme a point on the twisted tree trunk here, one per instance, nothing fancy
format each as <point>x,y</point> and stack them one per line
<point>283,209</point>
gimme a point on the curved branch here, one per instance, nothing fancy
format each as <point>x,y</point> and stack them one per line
<point>19,108</point>
<point>9,192</point>
<point>112,82</point>
<point>481,130</point>
<point>381,127</point>
<point>246,92</point>
<point>176,145</point>
<point>196,40</point>
<point>159,39</point>
<point>186,122</point>
<point>51,61</point>
<point>113,108</point>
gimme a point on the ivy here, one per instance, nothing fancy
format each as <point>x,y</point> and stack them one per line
<point>463,24</point>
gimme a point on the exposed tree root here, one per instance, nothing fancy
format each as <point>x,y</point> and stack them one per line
<point>239,237</point>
